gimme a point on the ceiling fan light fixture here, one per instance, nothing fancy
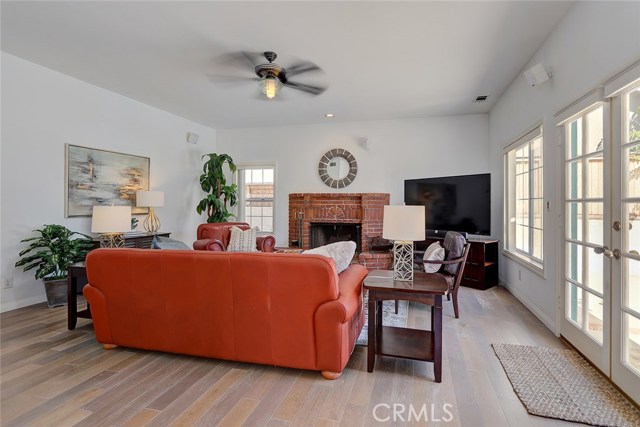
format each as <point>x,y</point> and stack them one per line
<point>270,86</point>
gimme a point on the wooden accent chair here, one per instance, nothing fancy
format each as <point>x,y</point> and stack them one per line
<point>453,280</point>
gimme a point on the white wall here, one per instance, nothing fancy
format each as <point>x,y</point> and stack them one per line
<point>593,42</point>
<point>396,150</point>
<point>42,110</point>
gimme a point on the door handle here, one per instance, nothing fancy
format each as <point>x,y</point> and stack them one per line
<point>604,250</point>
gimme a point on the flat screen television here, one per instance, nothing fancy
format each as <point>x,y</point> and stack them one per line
<point>453,203</point>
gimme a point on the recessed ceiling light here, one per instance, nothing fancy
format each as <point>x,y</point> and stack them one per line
<point>329,115</point>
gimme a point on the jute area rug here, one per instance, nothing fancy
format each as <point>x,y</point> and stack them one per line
<point>389,317</point>
<point>560,384</point>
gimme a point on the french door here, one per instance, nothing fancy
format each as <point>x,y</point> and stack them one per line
<point>601,289</point>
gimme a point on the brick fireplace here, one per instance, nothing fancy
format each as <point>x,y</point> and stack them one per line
<point>309,213</point>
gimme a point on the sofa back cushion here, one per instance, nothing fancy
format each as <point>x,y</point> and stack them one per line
<point>253,307</point>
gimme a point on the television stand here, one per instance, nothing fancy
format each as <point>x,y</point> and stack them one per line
<point>481,268</point>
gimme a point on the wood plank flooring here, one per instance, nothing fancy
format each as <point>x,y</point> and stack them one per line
<point>54,377</point>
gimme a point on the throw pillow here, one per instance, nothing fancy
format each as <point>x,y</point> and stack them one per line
<point>434,252</point>
<point>243,240</point>
<point>341,252</point>
<point>454,244</point>
<point>160,242</point>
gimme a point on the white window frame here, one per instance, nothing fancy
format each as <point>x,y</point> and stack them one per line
<point>526,258</point>
<point>240,167</point>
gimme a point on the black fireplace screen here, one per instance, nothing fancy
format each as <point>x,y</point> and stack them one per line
<point>326,233</point>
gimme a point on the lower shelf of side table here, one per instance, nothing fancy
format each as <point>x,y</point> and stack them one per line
<point>406,343</point>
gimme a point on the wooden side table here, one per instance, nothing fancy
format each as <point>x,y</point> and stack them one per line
<point>76,279</point>
<point>405,342</point>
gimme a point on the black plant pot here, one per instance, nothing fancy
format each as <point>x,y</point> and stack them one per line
<point>56,292</point>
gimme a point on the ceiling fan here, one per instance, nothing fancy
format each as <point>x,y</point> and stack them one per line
<point>271,76</point>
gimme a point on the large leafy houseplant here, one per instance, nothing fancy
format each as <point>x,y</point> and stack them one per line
<point>51,253</point>
<point>214,182</point>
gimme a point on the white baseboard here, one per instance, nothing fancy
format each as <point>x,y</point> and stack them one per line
<point>546,320</point>
<point>14,305</point>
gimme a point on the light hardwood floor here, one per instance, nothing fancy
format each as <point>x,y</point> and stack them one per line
<point>54,377</point>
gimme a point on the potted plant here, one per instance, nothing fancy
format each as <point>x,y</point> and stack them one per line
<point>53,250</point>
<point>214,182</point>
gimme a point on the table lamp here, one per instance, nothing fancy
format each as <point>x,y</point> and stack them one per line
<point>150,199</point>
<point>403,225</point>
<point>111,222</point>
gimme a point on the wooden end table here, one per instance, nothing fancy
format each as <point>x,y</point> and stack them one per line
<point>76,279</point>
<point>407,343</point>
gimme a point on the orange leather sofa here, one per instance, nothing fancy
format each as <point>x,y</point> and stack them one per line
<point>275,309</point>
<point>215,237</point>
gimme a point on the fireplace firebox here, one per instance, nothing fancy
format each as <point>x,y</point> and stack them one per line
<point>326,233</point>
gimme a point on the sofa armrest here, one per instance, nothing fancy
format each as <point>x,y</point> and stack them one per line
<point>208,245</point>
<point>266,243</point>
<point>349,297</point>
<point>338,323</point>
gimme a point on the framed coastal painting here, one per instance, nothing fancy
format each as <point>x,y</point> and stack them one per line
<point>99,177</point>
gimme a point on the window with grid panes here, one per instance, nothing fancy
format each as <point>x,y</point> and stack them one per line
<point>256,189</point>
<point>524,204</point>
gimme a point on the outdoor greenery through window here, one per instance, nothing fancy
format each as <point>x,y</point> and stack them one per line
<point>524,204</point>
<point>256,188</point>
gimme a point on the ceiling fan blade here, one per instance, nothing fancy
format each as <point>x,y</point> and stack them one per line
<point>302,67</point>
<point>314,90</point>
<point>219,79</point>
<point>242,60</point>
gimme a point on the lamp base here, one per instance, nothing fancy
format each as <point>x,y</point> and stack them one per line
<point>111,240</point>
<point>151,222</point>
<point>403,260</point>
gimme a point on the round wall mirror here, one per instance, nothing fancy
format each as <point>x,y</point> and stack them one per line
<point>338,168</point>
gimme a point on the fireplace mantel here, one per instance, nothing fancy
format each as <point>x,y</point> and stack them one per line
<point>346,208</point>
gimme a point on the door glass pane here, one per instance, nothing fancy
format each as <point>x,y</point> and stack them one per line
<point>631,176</point>
<point>632,284</point>
<point>595,176</point>
<point>574,220</point>
<point>595,270</point>
<point>594,138</point>
<point>574,180</point>
<point>633,116</point>
<point>574,262</point>
<point>595,315</point>
<point>631,341</point>
<point>631,225</point>
<point>595,215</point>
<point>573,309</point>
<point>574,138</point>
<point>522,212</point>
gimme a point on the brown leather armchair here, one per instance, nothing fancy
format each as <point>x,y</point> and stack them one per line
<point>458,264</point>
<point>215,237</point>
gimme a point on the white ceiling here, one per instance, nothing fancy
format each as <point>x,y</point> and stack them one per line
<point>382,60</point>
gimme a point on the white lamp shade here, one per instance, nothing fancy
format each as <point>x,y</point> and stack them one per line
<point>403,223</point>
<point>149,199</point>
<point>111,219</point>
